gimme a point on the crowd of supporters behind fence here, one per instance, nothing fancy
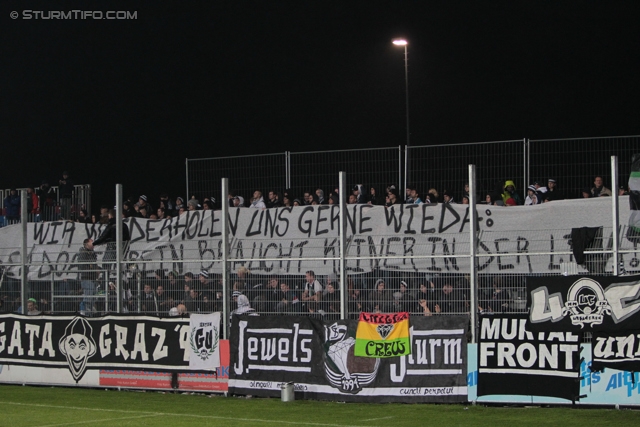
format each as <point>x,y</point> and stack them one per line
<point>45,204</point>
<point>171,293</point>
<point>504,195</point>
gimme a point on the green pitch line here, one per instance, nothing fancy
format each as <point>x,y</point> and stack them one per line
<point>53,407</point>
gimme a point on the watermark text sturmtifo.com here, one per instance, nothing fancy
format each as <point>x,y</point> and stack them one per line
<point>75,14</point>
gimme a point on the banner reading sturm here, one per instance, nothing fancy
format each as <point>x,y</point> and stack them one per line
<point>319,358</point>
<point>583,303</point>
<point>79,343</point>
<point>514,360</point>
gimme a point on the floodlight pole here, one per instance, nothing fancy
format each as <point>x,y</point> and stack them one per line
<point>404,43</point>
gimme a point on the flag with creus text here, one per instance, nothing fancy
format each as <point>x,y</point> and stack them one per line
<point>383,335</point>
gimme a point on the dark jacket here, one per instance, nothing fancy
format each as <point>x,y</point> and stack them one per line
<point>66,190</point>
<point>109,233</point>
<point>12,205</point>
<point>88,264</point>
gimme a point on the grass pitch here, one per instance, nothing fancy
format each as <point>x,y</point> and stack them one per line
<point>40,406</point>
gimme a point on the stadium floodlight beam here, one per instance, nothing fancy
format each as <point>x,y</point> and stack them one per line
<point>404,42</point>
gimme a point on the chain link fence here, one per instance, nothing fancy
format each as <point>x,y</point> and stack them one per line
<point>575,163</point>
<point>45,204</point>
<point>444,167</point>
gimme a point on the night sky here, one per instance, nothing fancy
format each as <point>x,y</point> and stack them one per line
<point>128,100</point>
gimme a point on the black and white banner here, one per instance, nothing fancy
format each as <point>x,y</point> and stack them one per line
<point>79,343</point>
<point>318,357</point>
<point>618,350</point>
<point>514,360</point>
<point>584,303</point>
<point>387,239</point>
<point>204,339</point>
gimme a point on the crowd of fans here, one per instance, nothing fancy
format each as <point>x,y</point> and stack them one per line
<point>171,293</point>
<point>47,203</point>
<point>174,293</point>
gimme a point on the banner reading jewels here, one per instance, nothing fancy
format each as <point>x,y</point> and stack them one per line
<point>111,342</point>
<point>319,359</point>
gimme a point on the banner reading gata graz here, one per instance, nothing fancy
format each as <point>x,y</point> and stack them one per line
<point>319,359</point>
<point>81,343</point>
<point>583,303</point>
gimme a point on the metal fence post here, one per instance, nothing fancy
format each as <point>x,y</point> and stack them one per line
<point>473,273</point>
<point>119,254</point>
<point>342,182</point>
<point>615,210</point>
<point>24,288</point>
<point>186,169</point>
<point>224,223</point>
<point>406,169</point>
<point>287,162</point>
<point>526,161</point>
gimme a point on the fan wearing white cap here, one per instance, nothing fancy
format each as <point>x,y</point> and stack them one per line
<point>533,197</point>
<point>204,279</point>
<point>142,204</point>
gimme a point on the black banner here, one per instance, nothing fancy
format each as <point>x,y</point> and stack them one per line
<point>583,303</point>
<point>514,360</point>
<point>79,343</point>
<point>319,359</point>
<point>619,350</point>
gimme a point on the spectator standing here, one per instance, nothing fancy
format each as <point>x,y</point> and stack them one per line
<point>408,199</point>
<point>553,193</point>
<point>108,237</point>
<point>32,204</point>
<point>289,301</point>
<point>598,189</point>
<point>274,200</point>
<point>143,204</point>
<point>541,189</point>
<point>32,307</point>
<point>331,303</point>
<point>392,198</point>
<point>148,300</point>
<point>312,290</point>
<point>12,206</point>
<point>89,274</point>
<point>374,199</point>
<point>448,197</point>
<point>415,196</point>
<point>533,197</point>
<point>380,300</point>
<point>65,193</point>
<point>46,197</point>
<point>238,201</point>
<point>179,204</point>
<point>510,192</point>
<point>432,196</point>
<point>257,202</point>
<point>166,203</point>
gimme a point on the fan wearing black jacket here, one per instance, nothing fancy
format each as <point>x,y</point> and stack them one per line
<point>108,236</point>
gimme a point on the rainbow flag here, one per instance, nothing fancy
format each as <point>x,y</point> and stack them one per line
<point>383,335</point>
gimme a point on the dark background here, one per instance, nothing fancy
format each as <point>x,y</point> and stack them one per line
<point>127,101</point>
